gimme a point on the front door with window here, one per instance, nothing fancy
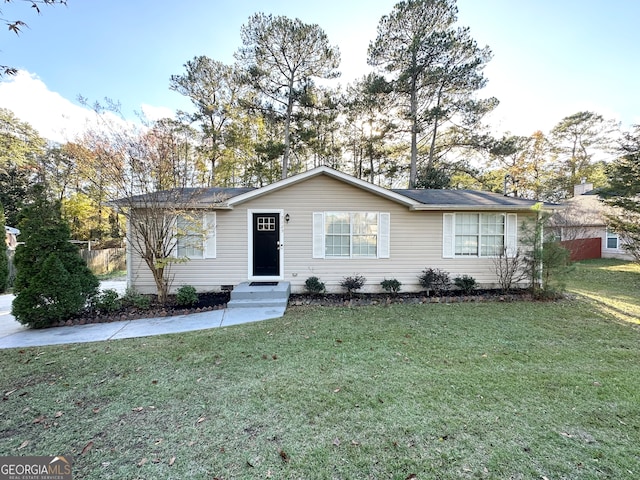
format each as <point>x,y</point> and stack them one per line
<point>266,244</point>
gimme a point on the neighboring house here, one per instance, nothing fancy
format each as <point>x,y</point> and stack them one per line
<point>328,224</point>
<point>582,227</point>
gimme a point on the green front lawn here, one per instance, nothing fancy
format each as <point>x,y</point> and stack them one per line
<point>495,390</point>
<point>613,286</point>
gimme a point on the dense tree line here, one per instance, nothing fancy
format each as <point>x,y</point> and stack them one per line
<point>417,119</point>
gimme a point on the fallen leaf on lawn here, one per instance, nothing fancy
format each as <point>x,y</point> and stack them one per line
<point>336,442</point>
<point>411,476</point>
<point>336,390</point>
<point>355,443</point>
<point>154,382</point>
<point>565,434</point>
<point>6,394</point>
<point>39,419</point>
<point>58,414</point>
<point>156,460</point>
<point>274,356</point>
<point>137,409</point>
<point>172,460</point>
<point>200,420</point>
<point>142,462</point>
<point>95,410</point>
<point>23,444</point>
<point>284,456</point>
<point>158,442</point>
<point>87,447</point>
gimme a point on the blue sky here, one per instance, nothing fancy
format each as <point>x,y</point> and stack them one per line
<point>552,58</point>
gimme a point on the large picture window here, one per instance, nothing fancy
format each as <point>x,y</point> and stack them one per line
<point>478,234</point>
<point>351,235</point>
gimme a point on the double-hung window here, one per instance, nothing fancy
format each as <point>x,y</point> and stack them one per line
<point>195,235</point>
<point>479,234</point>
<point>350,235</point>
<point>612,240</point>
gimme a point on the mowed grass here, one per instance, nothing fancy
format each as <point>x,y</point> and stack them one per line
<point>613,286</point>
<point>495,390</point>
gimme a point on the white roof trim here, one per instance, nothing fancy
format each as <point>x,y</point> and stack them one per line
<point>323,170</point>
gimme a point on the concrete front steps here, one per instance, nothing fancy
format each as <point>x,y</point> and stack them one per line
<point>260,295</point>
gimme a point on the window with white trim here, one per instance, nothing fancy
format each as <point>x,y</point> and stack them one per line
<point>613,240</point>
<point>479,234</point>
<point>195,235</point>
<point>351,235</point>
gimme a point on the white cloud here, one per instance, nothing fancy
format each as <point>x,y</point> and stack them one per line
<point>52,115</point>
<point>156,113</point>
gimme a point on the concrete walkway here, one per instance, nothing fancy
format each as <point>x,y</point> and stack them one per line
<point>14,335</point>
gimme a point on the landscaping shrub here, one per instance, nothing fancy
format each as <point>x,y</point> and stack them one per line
<point>353,284</point>
<point>53,282</point>
<point>314,285</point>
<point>392,286</point>
<point>466,283</point>
<point>134,298</point>
<point>186,296</point>
<point>54,294</point>
<point>435,280</point>
<point>107,301</point>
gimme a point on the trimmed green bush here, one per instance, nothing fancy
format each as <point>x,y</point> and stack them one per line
<point>435,280</point>
<point>53,295</point>
<point>392,286</point>
<point>186,296</point>
<point>353,284</point>
<point>53,282</point>
<point>314,286</point>
<point>133,298</point>
<point>466,283</point>
<point>107,301</point>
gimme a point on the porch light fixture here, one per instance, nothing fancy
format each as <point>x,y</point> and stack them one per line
<point>287,218</point>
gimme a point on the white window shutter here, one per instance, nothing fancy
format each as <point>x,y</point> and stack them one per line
<point>448,235</point>
<point>210,235</point>
<point>511,239</point>
<point>171,229</point>
<point>318,235</point>
<point>384,233</point>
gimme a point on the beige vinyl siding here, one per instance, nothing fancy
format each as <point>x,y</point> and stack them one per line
<point>415,243</point>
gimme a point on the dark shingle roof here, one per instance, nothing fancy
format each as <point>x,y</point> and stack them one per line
<point>463,198</point>
<point>195,197</point>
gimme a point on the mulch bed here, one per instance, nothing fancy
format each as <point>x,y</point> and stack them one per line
<point>215,301</point>
<point>364,299</point>
<point>206,302</point>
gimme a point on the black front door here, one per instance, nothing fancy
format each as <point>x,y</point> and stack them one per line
<point>266,244</point>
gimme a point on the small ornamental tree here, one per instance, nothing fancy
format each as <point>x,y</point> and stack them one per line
<point>4,259</point>
<point>53,282</point>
